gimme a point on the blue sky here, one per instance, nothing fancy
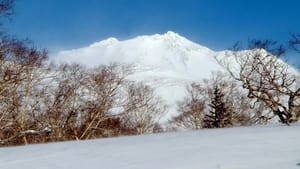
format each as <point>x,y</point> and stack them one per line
<point>217,24</point>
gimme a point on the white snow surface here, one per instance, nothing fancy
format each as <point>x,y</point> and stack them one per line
<point>258,147</point>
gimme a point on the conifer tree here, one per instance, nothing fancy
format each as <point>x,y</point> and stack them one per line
<point>219,115</point>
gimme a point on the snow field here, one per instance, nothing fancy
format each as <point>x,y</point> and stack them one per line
<point>257,147</point>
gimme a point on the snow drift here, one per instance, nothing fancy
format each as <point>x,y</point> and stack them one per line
<point>259,147</point>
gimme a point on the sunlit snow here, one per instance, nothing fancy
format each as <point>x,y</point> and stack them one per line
<point>258,147</point>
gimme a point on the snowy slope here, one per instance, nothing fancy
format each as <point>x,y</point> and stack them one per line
<point>169,52</point>
<point>260,147</point>
<point>167,62</point>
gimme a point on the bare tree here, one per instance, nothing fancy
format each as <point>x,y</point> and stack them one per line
<point>142,109</point>
<point>105,97</point>
<point>267,79</point>
<point>191,109</point>
<point>20,84</point>
<point>20,87</point>
<point>64,102</point>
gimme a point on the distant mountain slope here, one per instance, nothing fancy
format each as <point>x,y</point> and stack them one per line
<point>167,62</point>
<point>257,147</point>
<point>169,52</point>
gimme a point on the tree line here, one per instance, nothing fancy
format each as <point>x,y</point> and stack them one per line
<point>46,102</point>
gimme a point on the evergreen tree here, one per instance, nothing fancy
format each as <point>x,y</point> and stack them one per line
<point>219,115</point>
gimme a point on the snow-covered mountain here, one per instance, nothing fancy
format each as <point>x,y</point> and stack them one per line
<point>167,62</point>
<point>168,52</point>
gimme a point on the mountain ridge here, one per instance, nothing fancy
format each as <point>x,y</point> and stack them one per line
<point>168,62</point>
<point>168,51</point>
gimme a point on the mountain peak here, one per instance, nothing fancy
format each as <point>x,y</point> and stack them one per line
<point>173,37</point>
<point>168,36</point>
<point>109,41</point>
<point>168,52</point>
<point>172,34</point>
